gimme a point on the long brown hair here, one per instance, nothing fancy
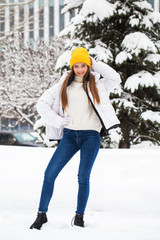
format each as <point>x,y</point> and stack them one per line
<point>87,77</point>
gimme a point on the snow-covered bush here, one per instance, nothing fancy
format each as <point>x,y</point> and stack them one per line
<point>25,73</point>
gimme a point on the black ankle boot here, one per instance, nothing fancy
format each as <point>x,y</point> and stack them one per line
<point>41,218</point>
<point>78,220</point>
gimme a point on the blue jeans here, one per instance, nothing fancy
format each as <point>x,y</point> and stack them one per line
<point>88,142</point>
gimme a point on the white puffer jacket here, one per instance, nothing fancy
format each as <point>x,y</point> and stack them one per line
<point>50,108</point>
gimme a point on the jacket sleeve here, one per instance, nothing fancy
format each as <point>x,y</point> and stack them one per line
<point>44,108</point>
<point>110,77</point>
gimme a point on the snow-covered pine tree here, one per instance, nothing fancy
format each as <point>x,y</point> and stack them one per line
<point>126,35</point>
<point>25,73</point>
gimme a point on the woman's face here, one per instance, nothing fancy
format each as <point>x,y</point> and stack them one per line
<point>80,69</point>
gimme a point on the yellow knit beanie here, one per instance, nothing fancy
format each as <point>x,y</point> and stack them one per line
<point>80,54</point>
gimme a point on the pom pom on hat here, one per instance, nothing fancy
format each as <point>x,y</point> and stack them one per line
<point>80,54</point>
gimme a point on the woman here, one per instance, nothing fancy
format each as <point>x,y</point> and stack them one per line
<point>76,110</point>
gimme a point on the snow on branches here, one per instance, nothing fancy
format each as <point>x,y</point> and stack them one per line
<point>125,35</point>
<point>25,73</point>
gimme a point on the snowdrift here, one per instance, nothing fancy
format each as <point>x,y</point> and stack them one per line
<point>124,202</point>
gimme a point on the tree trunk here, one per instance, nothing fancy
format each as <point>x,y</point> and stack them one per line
<point>124,143</point>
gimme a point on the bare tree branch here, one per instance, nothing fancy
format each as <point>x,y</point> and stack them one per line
<point>15,4</point>
<point>19,27</point>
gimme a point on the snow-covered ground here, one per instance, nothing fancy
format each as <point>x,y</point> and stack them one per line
<point>124,202</point>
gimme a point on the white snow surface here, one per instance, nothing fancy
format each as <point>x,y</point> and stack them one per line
<point>157,76</point>
<point>154,17</point>
<point>144,5</point>
<point>133,44</point>
<point>142,78</point>
<point>137,41</point>
<point>125,103</point>
<point>123,204</point>
<point>99,11</point>
<point>155,58</point>
<point>63,60</point>
<point>145,144</point>
<point>101,52</point>
<point>152,116</point>
<point>123,10</point>
<point>146,22</point>
<point>134,22</point>
<point>102,10</point>
<point>70,4</point>
<point>122,57</point>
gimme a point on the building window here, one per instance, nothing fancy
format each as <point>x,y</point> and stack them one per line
<point>151,2</point>
<point>51,20</point>
<point>41,23</point>
<point>31,13</point>
<point>2,23</point>
<point>61,17</point>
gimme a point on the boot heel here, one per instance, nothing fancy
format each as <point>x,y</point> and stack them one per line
<point>40,220</point>
<point>78,220</point>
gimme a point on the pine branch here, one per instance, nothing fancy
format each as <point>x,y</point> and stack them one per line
<point>146,137</point>
<point>139,100</point>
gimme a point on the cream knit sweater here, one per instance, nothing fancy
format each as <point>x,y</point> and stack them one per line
<point>79,108</point>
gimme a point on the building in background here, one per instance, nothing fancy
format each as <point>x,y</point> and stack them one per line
<point>40,19</point>
<point>155,4</point>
